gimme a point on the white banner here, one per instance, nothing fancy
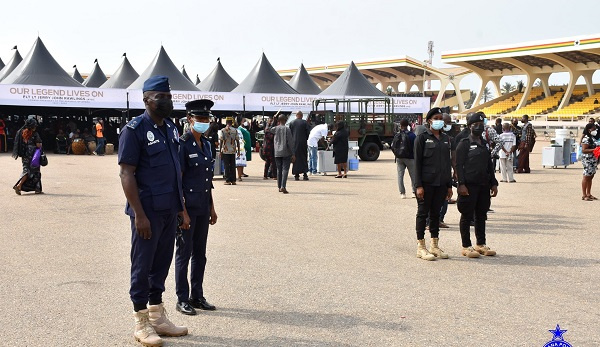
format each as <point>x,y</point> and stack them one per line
<point>54,96</point>
<point>223,101</point>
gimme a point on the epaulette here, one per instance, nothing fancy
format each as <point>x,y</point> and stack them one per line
<point>134,123</point>
<point>185,136</point>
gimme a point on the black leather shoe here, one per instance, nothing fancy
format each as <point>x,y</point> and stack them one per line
<point>202,304</point>
<point>185,308</point>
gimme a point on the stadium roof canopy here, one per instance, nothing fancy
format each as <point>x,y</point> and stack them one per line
<point>579,56</point>
<point>390,72</point>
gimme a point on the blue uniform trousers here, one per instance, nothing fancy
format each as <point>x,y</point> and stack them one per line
<point>151,259</point>
<point>195,247</point>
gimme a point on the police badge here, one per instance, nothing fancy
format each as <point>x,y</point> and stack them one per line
<point>558,339</point>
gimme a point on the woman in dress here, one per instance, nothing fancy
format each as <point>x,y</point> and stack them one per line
<point>590,163</point>
<point>240,160</point>
<point>27,140</point>
<point>340,149</point>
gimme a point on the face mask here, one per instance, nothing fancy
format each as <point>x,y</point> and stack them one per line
<point>200,128</point>
<point>245,124</point>
<point>484,121</point>
<point>477,130</point>
<point>164,107</point>
<point>437,124</point>
<point>447,127</point>
<point>594,132</point>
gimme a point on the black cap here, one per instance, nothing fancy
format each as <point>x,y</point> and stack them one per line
<point>475,117</point>
<point>31,123</point>
<point>199,107</point>
<point>433,112</point>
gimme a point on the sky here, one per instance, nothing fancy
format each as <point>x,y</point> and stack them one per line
<point>196,33</point>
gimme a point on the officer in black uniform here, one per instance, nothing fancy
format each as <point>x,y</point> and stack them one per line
<point>476,185</point>
<point>151,179</point>
<point>197,166</point>
<point>433,181</point>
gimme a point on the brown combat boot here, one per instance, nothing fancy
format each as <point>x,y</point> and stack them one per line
<point>484,250</point>
<point>469,252</point>
<point>161,323</point>
<point>436,250</point>
<point>422,251</point>
<point>144,332</point>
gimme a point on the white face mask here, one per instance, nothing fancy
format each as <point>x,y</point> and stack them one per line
<point>593,133</point>
<point>447,127</point>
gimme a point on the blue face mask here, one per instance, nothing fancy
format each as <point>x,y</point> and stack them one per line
<point>447,127</point>
<point>484,121</point>
<point>200,127</point>
<point>437,124</point>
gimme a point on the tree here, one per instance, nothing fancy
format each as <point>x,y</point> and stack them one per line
<point>472,96</point>
<point>507,87</point>
<point>537,83</point>
<point>520,85</point>
<point>487,94</point>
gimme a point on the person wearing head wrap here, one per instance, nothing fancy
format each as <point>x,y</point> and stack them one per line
<point>476,185</point>
<point>433,182</point>
<point>27,140</point>
<point>152,182</point>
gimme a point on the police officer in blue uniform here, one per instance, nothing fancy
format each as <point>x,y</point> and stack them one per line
<point>151,178</point>
<point>197,166</point>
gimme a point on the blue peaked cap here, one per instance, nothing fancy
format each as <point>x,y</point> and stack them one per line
<point>157,84</point>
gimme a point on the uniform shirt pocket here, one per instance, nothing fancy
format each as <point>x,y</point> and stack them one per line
<point>161,197</point>
<point>429,149</point>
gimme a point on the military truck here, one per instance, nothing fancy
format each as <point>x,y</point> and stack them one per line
<point>372,130</point>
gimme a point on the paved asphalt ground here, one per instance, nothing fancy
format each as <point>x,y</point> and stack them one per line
<point>331,264</point>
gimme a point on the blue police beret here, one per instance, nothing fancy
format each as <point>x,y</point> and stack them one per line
<point>157,84</point>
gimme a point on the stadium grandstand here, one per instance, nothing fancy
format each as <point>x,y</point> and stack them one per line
<point>388,75</point>
<point>579,57</point>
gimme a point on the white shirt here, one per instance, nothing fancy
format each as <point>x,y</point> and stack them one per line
<point>316,134</point>
<point>508,140</point>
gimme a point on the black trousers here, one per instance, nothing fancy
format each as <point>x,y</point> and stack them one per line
<point>475,204</point>
<point>229,164</point>
<point>430,206</point>
<point>194,247</point>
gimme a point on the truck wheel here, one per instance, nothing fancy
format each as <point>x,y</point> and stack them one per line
<point>369,152</point>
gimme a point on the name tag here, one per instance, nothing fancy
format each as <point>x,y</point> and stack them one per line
<point>195,155</point>
<point>429,141</point>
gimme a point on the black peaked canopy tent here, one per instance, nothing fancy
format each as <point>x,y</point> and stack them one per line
<point>1,64</point>
<point>123,77</point>
<point>303,83</point>
<point>184,73</point>
<point>218,80</point>
<point>96,78</point>
<point>163,65</point>
<point>76,75</point>
<point>40,68</point>
<point>264,79</point>
<point>352,83</point>
<point>12,64</point>
<point>197,80</point>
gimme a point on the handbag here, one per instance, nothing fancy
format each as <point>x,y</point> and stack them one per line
<point>35,160</point>
<point>43,159</point>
